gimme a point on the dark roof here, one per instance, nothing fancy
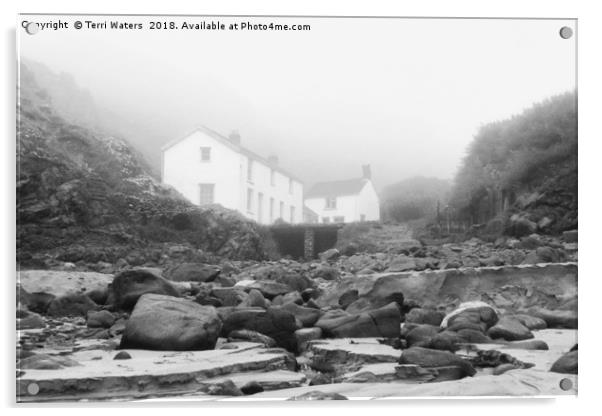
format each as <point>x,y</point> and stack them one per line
<point>337,188</point>
<point>234,146</point>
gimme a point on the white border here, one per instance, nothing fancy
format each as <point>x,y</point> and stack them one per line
<point>590,71</point>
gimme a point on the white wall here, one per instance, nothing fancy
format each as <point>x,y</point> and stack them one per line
<point>261,182</point>
<point>351,207</point>
<point>368,203</point>
<point>183,169</point>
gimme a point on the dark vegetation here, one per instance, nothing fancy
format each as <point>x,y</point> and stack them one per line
<point>522,170</point>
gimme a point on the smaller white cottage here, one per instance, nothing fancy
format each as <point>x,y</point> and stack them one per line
<point>345,201</point>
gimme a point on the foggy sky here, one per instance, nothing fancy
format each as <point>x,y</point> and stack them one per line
<point>405,95</point>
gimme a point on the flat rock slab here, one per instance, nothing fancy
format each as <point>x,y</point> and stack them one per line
<point>269,380</point>
<point>147,373</point>
<point>343,350</point>
<point>60,283</point>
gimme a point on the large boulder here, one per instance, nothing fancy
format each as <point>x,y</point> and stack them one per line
<point>160,322</point>
<point>130,285</point>
<point>75,304</point>
<point>307,316</point>
<point>276,323</point>
<point>531,322</point>
<point>383,322</point>
<point>430,358</point>
<point>477,315</point>
<point>100,319</point>
<point>509,329</point>
<point>193,272</point>
<point>424,316</point>
<point>421,335</point>
<point>29,320</point>
<point>229,296</point>
<point>556,318</point>
<point>567,364</point>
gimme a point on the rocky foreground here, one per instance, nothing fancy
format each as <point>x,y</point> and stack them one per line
<point>298,331</point>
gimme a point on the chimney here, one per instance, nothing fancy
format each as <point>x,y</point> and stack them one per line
<point>366,172</point>
<point>273,159</point>
<point>234,137</point>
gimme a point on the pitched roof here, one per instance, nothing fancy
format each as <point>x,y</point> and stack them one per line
<point>337,188</point>
<point>234,146</point>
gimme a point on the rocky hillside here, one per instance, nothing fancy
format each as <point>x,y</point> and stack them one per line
<point>522,172</point>
<point>83,196</point>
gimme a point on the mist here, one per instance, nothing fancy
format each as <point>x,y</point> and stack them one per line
<point>404,95</point>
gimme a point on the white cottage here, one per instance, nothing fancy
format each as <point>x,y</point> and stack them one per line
<point>208,168</point>
<point>345,201</point>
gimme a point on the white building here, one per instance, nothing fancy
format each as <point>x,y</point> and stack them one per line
<point>208,168</point>
<point>349,200</point>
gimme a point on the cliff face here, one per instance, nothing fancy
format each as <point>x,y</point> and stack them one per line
<point>78,187</point>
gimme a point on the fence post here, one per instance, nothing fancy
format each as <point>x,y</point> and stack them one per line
<point>308,243</point>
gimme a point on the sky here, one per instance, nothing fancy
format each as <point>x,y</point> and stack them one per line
<point>404,95</point>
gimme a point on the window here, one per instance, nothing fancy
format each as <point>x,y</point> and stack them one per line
<point>281,210</point>
<point>290,186</point>
<point>273,177</point>
<point>250,200</point>
<point>260,207</point>
<point>338,219</point>
<point>205,154</point>
<point>206,193</point>
<point>271,209</point>
<point>292,214</point>
<point>325,220</point>
<point>363,217</point>
<point>250,170</point>
<point>331,203</point>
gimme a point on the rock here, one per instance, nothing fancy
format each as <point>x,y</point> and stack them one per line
<point>348,298</point>
<point>45,362</point>
<point>329,255</point>
<point>518,226</point>
<point>160,322</point>
<point>533,344</point>
<point>273,322</point>
<point>531,322</point>
<point>76,304</point>
<point>193,272</point>
<point>320,379</point>
<point>122,355</point>
<point>509,329</point>
<point>224,388</point>
<point>307,316</point>
<point>325,272</point>
<point>224,281</point>
<point>471,315</point>
<point>255,298</point>
<point>531,242</point>
<point>252,387</point>
<point>383,322</point>
<point>425,357</point>
<point>445,341</point>
<point>318,395</point>
<point>29,320</point>
<point>100,319</point>
<point>130,285</point>
<point>305,335</point>
<point>229,296</point>
<point>37,302</point>
<point>309,294</point>
<point>570,236</point>
<point>474,337</point>
<point>556,318</point>
<point>494,358</point>
<point>251,336</point>
<point>99,296</point>
<point>502,368</point>
<point>548,255</point>
<point>421,335</point>
<point>401,264</point>
<point>567,364</point>
<point>424,316</point>
<point>269,289</point>
<point>292,297</point>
